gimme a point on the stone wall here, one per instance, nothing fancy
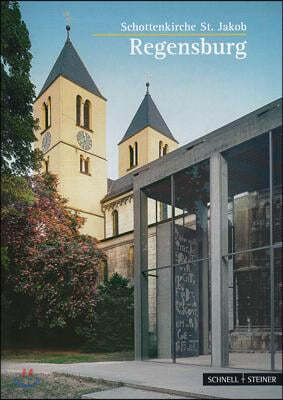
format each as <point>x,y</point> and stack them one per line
<point>119,251</point>
<point>124,205</point>
<point>119,259</point>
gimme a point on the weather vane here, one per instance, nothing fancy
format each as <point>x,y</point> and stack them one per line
<point>68,19</point>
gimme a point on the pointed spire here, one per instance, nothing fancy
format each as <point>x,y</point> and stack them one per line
<point>147,115</point>
<point>70,65</point>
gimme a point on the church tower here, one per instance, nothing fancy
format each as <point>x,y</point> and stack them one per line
<point>147,138</point>
<point>71,114</point>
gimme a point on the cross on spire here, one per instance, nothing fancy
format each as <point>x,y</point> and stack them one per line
<point>147,87</point>
<point>68,28</point>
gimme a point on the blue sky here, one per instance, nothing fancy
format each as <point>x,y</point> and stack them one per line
<point>195,94</point>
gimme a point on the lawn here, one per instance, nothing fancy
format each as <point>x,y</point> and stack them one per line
<point>63,356</point>
<point>50,386</point>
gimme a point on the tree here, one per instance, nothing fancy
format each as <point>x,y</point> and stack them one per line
<point>52,277</point>
<point>17,123</point>
<point>114,316</point>
<point>17,93</point>
<point>14,190</point>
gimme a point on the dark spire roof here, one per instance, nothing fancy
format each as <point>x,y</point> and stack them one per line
<point>70,65</point>
<point>148,115</point>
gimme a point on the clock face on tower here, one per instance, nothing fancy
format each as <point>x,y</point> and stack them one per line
<point>46,141</point>
<point>84,140</point>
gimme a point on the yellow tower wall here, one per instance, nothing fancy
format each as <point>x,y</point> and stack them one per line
<point>69,91</point>
<point>154,137</point>
<point>56,112</point>
<point>83,192</point>
<point>148,148</point>
<point>124,155</point>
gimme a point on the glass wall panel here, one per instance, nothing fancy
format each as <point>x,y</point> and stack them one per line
<point>192,208</point>
<point>193,325</point>
<point>159,305</point>
<point>159,270</point>
<point>249,287</point>
<point>192,292</point>
<point>277,239</point>
<point>163,305</point>
<point>152,329</point>
<point>250,327</point>
<point>178,296</point>
<point>248,187</point>
<point>278,296</point>
<point>277,184</point>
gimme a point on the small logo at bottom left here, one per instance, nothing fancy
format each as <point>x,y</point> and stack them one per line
<point>17,382</point>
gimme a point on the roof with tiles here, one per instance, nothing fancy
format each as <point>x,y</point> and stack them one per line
<point>148,115</point>
<point>70,66</point>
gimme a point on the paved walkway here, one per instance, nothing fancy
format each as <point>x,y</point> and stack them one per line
<point>178,380</point>
<point>129,393</point>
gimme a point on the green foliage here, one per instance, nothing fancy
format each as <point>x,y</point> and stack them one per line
<point>114,317</point>
<point>17,93</point>
<point>51,279</point>
<point>15,190</point>
<point>4,258</point>
<point>58,281</point>
<point>60,356</point>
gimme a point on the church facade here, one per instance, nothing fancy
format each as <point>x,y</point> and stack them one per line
<point>72,117</point>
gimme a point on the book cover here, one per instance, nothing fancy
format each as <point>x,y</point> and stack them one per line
<point>176,105</point>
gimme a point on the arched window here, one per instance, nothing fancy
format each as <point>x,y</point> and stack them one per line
<point>87,166</point>
<point>87,114</point>
<point>78,110</point>
<point>115,222</point>
<point>165,149</point>
<point>131,150</point>
<point>84,165</point>
<point>45,115</point>
<point>136,153</point>
<point>103,272</point>
<point>160,148</point>
<point>49,111</point>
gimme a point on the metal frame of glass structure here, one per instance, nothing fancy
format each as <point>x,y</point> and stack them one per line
<point>211,147</point>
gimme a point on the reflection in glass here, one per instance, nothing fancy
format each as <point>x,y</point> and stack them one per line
<point>249,271</point>
<point>278,296</point>
<point>178,254</point>
<point>252,290</point>
<point>159,280</point>
<point>192,292</point>
<point>248,188</point>
<point>163,310</point>
<point>159,315</point>
<point>152,332</point>
<point>250,326</point>
<point>277,184</point>
<point>193,330</point>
